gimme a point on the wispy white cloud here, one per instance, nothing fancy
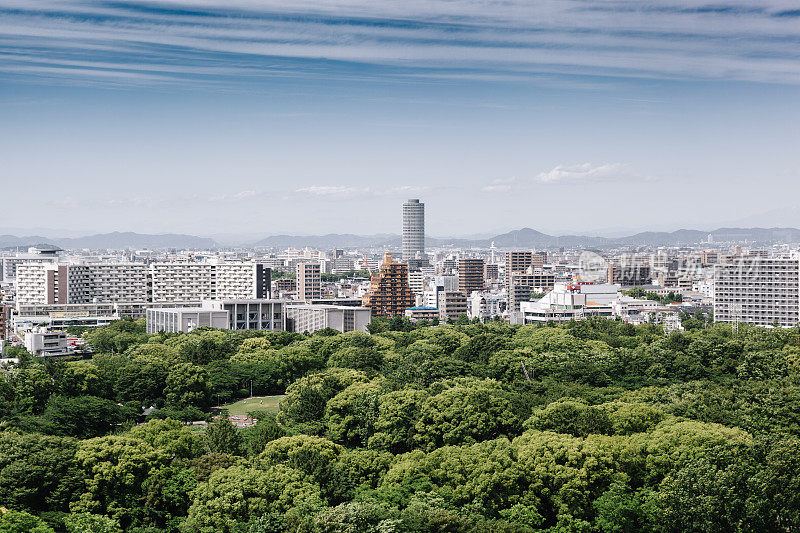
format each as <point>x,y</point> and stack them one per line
<point>350,191</point>
<point>331,190</point>
<point>235,197</point>
<point>499,185</point>
<point>158,42</point>
<point>588,172</point>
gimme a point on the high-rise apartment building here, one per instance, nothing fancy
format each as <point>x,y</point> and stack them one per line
<point>470,275</point>
<point>5,315</point>
<point>490,272</point>
<point>629,271</point>
<point>413,229</point>
<point>758,291</point>
<point>538,259</point>
<point>517,262</point>
<point>41,283</point>
<point>309,281</point>
<point>389,294</point>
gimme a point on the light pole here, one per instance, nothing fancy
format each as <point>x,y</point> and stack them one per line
<point>251,388</point>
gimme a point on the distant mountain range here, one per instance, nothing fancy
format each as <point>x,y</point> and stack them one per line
<point>522,238</point>
<point>115,240</point>
<point>332,240</point>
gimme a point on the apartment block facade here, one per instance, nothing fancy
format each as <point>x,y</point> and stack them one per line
<point>309,281</point>
<point>471,275</point>
<point>758,291</point>
<point>389,294</point>
<point>39,283</point>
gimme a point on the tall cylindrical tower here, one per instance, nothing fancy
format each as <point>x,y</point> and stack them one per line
<point>413,229</point>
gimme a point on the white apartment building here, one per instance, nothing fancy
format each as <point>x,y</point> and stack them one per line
<point>32,283</point>
<point>309,281</point>
<point>103,282</point>
<point>182,282</point>
<point>416,282</point>
<point>242,280</point>
<point>9,264</point>
<point>40,283</point>
<point>758,291</point>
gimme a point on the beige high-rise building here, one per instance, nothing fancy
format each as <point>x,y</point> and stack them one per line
<point>309,281</point>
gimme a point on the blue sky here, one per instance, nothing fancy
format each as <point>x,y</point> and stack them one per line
<point>316,117</point>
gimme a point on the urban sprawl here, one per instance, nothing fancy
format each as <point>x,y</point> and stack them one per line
<point>46,291</point>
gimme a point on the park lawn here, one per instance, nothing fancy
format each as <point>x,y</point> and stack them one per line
<point>242,407</point>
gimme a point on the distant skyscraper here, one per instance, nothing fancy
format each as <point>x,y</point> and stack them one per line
<point>413,229</point>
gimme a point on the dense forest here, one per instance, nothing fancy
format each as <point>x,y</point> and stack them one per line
<point>589,426</point>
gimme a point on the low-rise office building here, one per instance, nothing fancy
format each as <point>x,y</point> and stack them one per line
<point>43,342</point>
<point>185,319</point>
<point>415,314</point>
<point>257,314</point>
<point>571,301</point>
<point>311,318</point>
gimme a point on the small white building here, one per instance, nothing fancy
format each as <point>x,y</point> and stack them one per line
<point>628,305</point>
<point>486,305</point>
<point>41,341</point>
<point>571,301</point>
<point>422,313</point>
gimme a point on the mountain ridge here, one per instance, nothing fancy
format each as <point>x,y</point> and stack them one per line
<point>521,238</point>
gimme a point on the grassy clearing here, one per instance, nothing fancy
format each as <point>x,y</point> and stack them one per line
<point>270,403</point>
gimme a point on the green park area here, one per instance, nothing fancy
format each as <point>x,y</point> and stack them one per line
<point>256,403</point>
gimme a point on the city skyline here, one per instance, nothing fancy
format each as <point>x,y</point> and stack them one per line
<point>199,118</point>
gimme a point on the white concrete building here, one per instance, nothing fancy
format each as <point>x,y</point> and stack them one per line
<point>758,291</point>
<point>111,282</point>
<point>255,314</point>
<point>9,264</point>
<point>628,305</point>
<point>32,282</point>
<point>309,281</point>
<point>185,319</point>
<point>311,318</point>
<point>571,302</point>
<point>413,230</point>
<point>486,305</point>
<point>41,341</point>
<point>102,282</point>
